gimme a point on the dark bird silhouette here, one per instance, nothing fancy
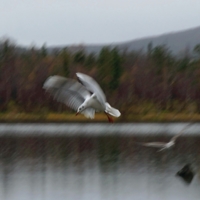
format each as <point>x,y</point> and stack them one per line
<point>186,173</point>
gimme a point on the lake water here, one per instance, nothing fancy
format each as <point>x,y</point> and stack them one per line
<point>96,161</point>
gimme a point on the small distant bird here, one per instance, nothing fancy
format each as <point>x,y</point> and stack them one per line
<point>186,173</point>
<point>164,145</point>
<point>85,97</point>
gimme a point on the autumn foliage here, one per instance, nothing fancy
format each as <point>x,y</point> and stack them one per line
<point>150,81</point>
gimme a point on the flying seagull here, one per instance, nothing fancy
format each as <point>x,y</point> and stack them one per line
<point>163,145</point>
<point>85,97</point>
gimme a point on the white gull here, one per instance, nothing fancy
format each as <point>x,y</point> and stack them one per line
<point>164,145</point>
<point>84,97</point>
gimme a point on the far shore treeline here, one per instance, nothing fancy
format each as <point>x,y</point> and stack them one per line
<point>138,82</point>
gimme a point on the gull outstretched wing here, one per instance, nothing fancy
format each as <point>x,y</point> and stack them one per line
<point>67,91</point>
<point>92,86</point>
<point>153,144</point>
<point>180,133</point>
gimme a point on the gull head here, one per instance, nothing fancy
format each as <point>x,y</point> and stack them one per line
<point>80,109</point>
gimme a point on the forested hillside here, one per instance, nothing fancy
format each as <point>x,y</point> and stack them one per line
<point>136,83</point>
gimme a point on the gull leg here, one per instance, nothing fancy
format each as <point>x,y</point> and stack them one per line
<point>109,118</point>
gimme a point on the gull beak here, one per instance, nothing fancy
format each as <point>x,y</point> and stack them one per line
<point>77,113</point>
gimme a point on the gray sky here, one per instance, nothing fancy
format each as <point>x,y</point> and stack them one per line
<point>64,22</point>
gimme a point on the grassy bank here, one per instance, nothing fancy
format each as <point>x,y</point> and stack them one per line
<point>68,117</point>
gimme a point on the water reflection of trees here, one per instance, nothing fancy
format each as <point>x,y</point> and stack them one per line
<point>105,150</point>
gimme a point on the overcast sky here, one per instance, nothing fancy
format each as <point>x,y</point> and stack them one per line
<point>64,22</point>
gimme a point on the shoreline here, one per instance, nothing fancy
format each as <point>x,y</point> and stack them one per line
<point>99,118</point>
<point>97,129</point>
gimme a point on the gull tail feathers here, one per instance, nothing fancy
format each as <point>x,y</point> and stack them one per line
<point>112,111</point>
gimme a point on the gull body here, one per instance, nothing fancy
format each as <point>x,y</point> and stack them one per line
<point>163,145</point>
<point>84,97</point>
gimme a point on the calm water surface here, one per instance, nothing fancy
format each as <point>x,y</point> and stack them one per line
<point>84,167</point>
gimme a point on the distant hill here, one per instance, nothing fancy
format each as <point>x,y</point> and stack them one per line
<point>177,42</point>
